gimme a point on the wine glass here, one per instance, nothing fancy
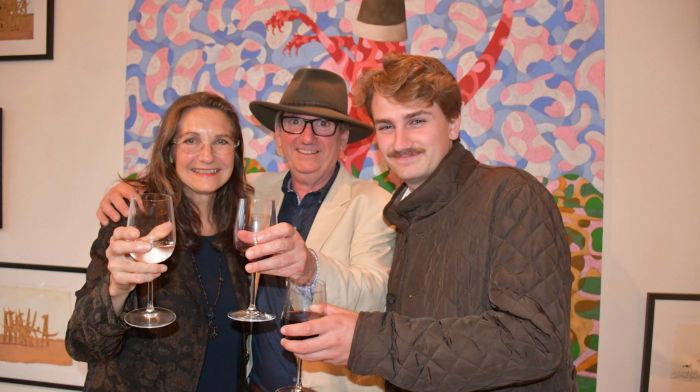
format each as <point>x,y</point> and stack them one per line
<point>153,215</point>
<point>297,309</point>
<point>254,215</point>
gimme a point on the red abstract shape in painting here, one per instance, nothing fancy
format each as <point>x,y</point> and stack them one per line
<point>482,69</point>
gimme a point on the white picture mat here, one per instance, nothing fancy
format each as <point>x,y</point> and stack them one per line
<point>675,350</point>
<point>42,291</point>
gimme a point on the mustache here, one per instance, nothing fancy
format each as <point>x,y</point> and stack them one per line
<point>405,152</point>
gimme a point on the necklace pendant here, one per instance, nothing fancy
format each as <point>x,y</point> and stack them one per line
<point>213,332</point>
<point>210,313</point>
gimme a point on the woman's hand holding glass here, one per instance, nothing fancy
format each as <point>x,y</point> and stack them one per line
<point>148,238</point>
<point>124,273</point>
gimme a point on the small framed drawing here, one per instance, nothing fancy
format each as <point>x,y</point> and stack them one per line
<point>37,301</point>
<point>26,30</point>
<point>671,359</point>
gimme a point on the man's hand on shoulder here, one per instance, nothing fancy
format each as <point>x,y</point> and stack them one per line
<point>113,206</point>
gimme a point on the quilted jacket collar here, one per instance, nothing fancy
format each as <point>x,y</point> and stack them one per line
<point>436,192</point>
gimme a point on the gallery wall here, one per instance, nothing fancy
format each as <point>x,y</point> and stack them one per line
<point>652,184</point>
<point>63,133</point>
<point>63,144</point>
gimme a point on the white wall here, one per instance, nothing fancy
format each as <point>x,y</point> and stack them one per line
<point>63,146</point>
<point>652,183</point>
<point>62,137</point>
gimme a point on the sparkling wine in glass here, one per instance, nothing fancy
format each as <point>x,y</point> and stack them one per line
<point>297,309</point>
<point>153,215</point>
<point>253,214</point>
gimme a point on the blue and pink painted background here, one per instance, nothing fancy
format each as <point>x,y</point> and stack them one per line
<point>531,71</point>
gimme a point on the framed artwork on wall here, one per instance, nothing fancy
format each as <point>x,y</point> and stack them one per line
<point>671,359</point>
<point>37,302</point>
<point>26,30</point>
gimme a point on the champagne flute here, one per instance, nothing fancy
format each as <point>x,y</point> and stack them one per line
<point>153,215</point>
<point>297,309</point>
<point>254,215</point>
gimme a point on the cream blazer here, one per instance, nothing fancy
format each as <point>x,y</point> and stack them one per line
<point>355,248</point>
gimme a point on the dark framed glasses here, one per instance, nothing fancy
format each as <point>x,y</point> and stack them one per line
<point>319,126</point>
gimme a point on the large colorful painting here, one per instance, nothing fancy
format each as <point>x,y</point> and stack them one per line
<point>531,71</point>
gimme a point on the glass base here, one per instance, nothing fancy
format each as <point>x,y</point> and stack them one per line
<point>159,317</point>
<point>251,316</point>
<point>294,388</point>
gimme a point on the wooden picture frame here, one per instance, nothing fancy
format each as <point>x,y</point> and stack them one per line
<point>671,358</point>
<point>33,351</point>
<point>26,30</point>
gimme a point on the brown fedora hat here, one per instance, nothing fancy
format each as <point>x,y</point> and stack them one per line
<point>314,92</point>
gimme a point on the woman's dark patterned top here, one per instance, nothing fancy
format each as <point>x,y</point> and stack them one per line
<point>121,358</point>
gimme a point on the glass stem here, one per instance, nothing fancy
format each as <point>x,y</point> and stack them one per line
<point>297,386</point>
<point>149,298</point>
<point>253,291</point>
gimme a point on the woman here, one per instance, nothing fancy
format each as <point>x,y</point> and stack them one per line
<point>197,158</point>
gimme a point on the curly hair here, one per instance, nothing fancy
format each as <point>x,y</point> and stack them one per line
<point>160,175</point>
<point>409,78</point>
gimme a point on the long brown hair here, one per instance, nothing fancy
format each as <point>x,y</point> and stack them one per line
<point>160,175</point>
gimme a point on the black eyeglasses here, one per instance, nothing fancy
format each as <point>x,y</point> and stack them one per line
<point>319,126</point>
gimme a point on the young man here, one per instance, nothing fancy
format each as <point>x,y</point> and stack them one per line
<point>479,291</point>
<point>332,227</point>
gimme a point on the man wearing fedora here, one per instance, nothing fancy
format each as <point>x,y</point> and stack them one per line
<point>331,225</point>
<point>479,293</point>
<point>335,233</point>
